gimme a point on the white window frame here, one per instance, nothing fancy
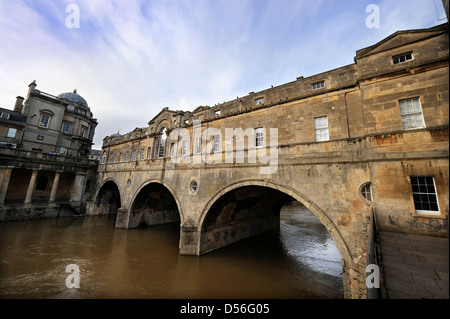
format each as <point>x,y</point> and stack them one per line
<point>259,137</point>
<point>198,145</point>
<point>184,148</point>
<point>424,190</point>
<point>142,154</point>
<point>43,123</point>
<point>10,132</point>
<point>320,129</point>
<point>172,149</point>
<point>318,85</point>
<point>216,140</point>
<point>4,116</point>
<point>411,113</point>
<point>259,100</point>
<point>408,56</point>
<point>65,124</point>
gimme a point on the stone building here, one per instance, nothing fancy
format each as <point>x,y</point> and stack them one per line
<point>366,139</point>
<point>45,142</point>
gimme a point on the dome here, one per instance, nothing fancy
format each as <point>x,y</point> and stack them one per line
<point>73,97</point>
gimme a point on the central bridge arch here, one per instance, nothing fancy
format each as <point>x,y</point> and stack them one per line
<point>268,197</point>
<point>154,203</point>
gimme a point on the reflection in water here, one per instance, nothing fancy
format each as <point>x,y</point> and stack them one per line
<point>298,261</point>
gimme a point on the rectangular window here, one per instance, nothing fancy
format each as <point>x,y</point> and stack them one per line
<point>259,100</point>
<point>424,195</point>
<point>149,153</point>
<point>172,149</point>
<point>184,148</point>
<point>45,120</point>
<point>11,132</point>
<point>318,85</point>
<point>133,156</point>
<point>142,154</point>
<point>216,143</point>
<point>402,58</point>
<point>62,150</point>
<point>321,128</point>
<point>127,155</point>
<point>411,112</point>
<point>217,113</point>
<point>161,147</point>
<point>259,137</point>
<point>65,127</point>
<point>84,131</point>
<point>4,116</point>
<point>114,159</point>
<point>198,146</point>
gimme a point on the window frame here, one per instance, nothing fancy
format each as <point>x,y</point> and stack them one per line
<point>316,129</point>
<point>419,193</point>
<point>402,116</point>
<point>404,55</point>
<point>318,85</point>
<point>259,137</point>
<point>216,142</point>
<point>8,134</point>
<point>68,129</point>
<point>259,100</point>
<point>45,124</point>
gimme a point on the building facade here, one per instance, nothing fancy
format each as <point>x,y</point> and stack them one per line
<point>367,138</point>
<point>45,142</point>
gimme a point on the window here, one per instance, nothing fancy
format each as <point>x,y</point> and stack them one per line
<point>217,113</point>
<point>216,143</point>
<point>114,158</point>
<point>259,100</point>
<point>424,194</point>
<point>321,128</point>
<point>120,157</point>
<point>194,186</point>
<point>198,146</point>
<point>4,116</point>
<point>318,85</point>
<point>184,148</point>
<point>172,149</point>
<point>11,132</point>
<point>142,154</point>
<point>161,143</point>
<point>366,191</point>
<point>259,137</point>
<point>104,159</point>
<point>65,127</point>
<point>62,150</point>
<point>40,137</point>
<point>411,113</point>
<point>149,153</point>
<point>402,58</point>
<point>127,155</point>
<point>84,131</point>
<point>45,121</point>
<point>133,156</point>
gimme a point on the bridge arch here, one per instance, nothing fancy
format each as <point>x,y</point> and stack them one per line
<point>281,189</point>
<point>155,202</point>
<point>108,199</point>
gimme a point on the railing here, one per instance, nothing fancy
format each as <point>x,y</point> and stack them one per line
<point>372,253</point>
<point>47,156</point>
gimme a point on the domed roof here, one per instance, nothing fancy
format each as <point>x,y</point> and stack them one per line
<point>73,97</point>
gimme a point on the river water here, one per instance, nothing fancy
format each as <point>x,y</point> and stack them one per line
<point>298,261</point>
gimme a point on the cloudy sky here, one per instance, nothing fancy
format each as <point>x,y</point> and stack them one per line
<point>131,58</point>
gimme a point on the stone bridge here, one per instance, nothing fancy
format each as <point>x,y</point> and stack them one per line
<point>338,142</point>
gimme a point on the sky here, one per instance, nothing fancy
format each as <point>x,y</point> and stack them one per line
<point>129,59</point>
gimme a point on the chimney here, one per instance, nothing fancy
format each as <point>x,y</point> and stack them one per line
<point>31,88</point>
<point>19,104</point>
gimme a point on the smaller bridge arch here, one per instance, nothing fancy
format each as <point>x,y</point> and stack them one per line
<point>108,199</point>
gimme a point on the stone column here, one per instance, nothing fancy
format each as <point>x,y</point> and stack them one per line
<point>54,187</point>
<point>4,184</point>
<point>31,187</point>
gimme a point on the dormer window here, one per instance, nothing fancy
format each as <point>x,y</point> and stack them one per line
<point>402,58</point>
<point>318,85</point>
<point>259,100</point>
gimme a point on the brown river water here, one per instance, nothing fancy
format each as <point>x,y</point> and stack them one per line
<point>300,260</point>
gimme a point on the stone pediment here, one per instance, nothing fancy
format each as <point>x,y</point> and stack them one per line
<point>161,115</point>
<point>401,38</point>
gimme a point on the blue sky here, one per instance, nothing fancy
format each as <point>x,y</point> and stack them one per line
<point>129,59</point>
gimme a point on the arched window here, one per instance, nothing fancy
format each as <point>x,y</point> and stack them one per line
<point>162,142</point>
